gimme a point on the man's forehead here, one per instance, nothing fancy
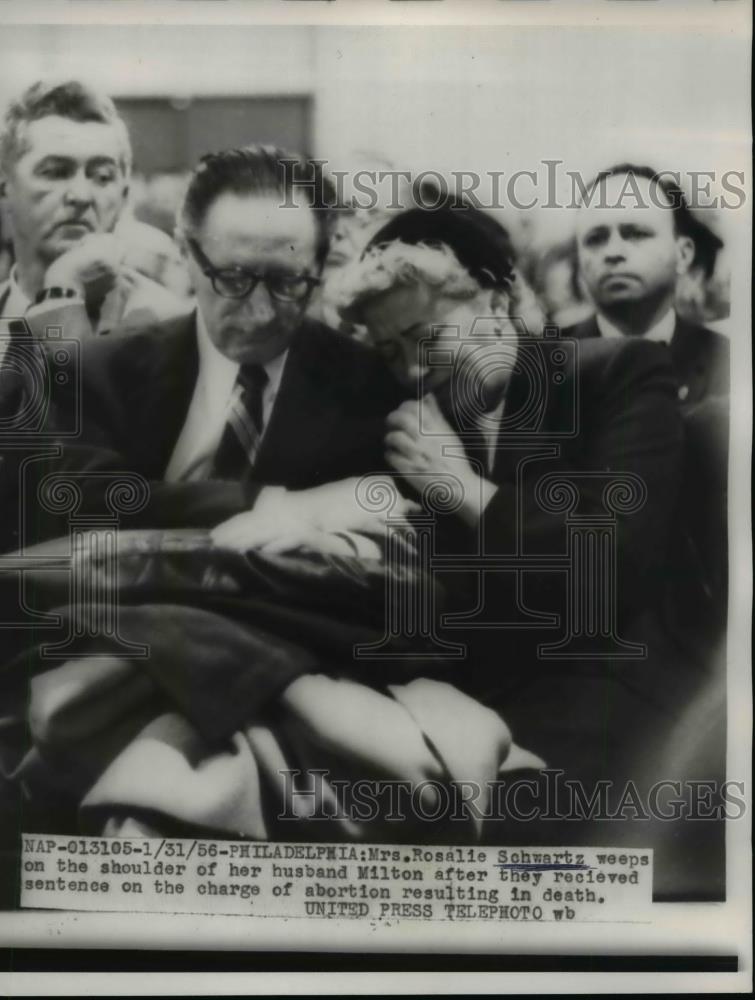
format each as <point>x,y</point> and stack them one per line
<point>262,219</point>
<point>55,135</point>
<point>625,199</point>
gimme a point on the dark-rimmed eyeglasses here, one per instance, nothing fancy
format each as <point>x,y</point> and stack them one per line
<point>239,282</point>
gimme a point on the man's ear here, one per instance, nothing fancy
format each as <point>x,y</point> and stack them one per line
<point>685,254</point>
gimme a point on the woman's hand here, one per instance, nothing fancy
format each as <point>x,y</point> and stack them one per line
<point>420,443</point>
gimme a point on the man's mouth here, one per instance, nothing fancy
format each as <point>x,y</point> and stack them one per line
<point>619,277</point>
<point>258,336</point>
<point>75,224</point>
<point>337,258</point>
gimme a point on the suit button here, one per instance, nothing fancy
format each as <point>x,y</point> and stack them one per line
<point>683,392</point>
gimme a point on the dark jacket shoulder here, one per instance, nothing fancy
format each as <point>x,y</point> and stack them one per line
<point>123,352</point>
<point>345,369</point>
<point>700,356</point>
<point>584,330</point>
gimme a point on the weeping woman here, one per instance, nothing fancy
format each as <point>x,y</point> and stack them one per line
<point>563,461</point>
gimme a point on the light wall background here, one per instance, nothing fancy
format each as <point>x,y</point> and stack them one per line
<point>442,98</point>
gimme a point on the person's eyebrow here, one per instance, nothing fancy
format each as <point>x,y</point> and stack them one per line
<point>55,158</point>
<point>636,227</point>
<point>595,231</point>
<point>97,160</point>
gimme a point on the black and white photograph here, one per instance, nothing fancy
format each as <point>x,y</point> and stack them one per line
<point>375,545</point>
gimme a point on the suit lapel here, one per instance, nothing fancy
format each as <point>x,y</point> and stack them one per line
<point>160,384</point>
<point>586,329</point>
<point>525,427</point>
<point>518,395</point>
<point>303,419</point>
<point>691,359</point>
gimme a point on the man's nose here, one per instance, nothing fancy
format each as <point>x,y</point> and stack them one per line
<point>614,250</point>
<point>259,304</point>
<point>79,189</point>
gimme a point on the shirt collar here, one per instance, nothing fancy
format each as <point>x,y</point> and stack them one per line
<point>17,302</point>
<point>662,331</point>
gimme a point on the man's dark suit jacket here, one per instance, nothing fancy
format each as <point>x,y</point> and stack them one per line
<point>695,602</point>
<point>619,399</point>
<point>701,357</point>
<point>134,392</point>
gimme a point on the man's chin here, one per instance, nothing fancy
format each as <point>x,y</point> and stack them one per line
<point>61,242</point>
<point>246,350</point>
<point>620,294</point>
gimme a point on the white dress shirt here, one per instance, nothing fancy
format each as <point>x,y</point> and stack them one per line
<point>662,331</point>
<point>206,418</point>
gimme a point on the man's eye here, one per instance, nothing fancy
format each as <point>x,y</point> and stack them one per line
<point>234,281</point>
<point>288,287</point>
<point>593,239</point>
<point>287,282</point>
<point>104,175</point>
<point>53,171</point>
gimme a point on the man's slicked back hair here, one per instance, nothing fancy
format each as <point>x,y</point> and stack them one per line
<point>260,170</point>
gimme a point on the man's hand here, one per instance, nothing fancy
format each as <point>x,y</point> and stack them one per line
<point>417,451</point>
<point>344,505</point>
<point>328,543</point>
<point>284,518</point>
<point>271,517</point>
<point>91,267</point>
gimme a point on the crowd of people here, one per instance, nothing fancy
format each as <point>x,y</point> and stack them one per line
<point>257,386</point>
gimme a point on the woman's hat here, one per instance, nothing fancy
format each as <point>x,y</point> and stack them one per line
<point>480,243</point>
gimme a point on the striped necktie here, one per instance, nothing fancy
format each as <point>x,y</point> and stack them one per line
<point>242,433</point>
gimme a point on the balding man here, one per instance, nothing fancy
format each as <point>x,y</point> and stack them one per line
<point>635,238</point>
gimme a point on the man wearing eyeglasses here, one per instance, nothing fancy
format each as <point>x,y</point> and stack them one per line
<point>246,396</point>
<point>253,267</point>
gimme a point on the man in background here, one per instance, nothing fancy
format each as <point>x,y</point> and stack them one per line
<point>635,238</point>
<point>65,163</point>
